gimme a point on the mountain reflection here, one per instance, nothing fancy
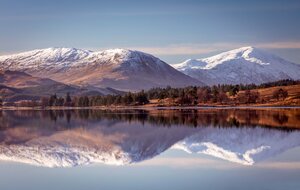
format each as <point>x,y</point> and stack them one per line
<point>66,138</point>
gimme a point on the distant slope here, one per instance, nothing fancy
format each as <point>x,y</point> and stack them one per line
<point>244,65</point>
<point>16,86</point>
<point>18,79</point>
<point>293,98</point>
<point>116,68</point>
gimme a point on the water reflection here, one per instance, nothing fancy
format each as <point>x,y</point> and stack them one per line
<point>67,138</point>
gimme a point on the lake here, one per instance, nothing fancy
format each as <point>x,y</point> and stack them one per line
<point>205,148</point>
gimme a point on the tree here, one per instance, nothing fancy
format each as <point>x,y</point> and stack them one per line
<point>184,98</point>
<point>233,91</point>
<point>248,97</point>
<point>255,96</point>
<point>215,93</point>
<point>192,95</point>
<point>75,101</point>
<point>118,100</point>
<point>86,101</point>
<point>127,99</point>
<point>83,101</point>
<point>141,98</point>
<point>173,93</point>
<point>44,101</point>
<point>280,94</point>
<point>222,97</point>
<point>206,95</point>
<point>52,100</point>
<point>68,100</point>
<point>59,101</point>
<point>80,102</point>
<point>1,102</point>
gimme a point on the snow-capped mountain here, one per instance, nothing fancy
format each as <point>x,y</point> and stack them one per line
<point>117,68</point>
<point>243,65</point>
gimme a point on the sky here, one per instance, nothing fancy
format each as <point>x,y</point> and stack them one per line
<point>173,30</point>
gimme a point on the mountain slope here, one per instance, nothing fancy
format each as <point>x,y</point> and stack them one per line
<point>17,85</point>
<point>116,68</point>
<point>244,65</point>
<point>17,79</point>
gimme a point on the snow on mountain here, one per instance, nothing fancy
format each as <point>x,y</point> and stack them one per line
<point>243,65</point>
<point>117,68</point>
<point>41,58</point>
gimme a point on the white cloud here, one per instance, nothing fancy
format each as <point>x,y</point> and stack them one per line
<point>205,48</point>
<point>280,45</point>
<point>198,48</point>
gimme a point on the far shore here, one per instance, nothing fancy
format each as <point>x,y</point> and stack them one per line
<point>147,107</point>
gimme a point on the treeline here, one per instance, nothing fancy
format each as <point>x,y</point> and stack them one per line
<point>232,90</point>
<point>191,96</point>
<point>285,82</point>
<point>203,95</point>
<point>139,98</point>
<point>221,94</point>
<point>54,100</point>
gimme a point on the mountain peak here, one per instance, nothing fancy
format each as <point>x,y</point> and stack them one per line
<point>118,50</point>
<point>125,52</point>
<point>117,53</point>
<point>48,55</point>
<point>248,54</point>
<point>243,65</point>
<point>118,68</point>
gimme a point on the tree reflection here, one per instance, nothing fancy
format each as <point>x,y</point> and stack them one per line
<point>280,118</point>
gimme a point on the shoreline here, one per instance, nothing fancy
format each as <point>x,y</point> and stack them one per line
<point>150,107</point>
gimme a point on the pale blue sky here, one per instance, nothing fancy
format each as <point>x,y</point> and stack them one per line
<point>172,30</point>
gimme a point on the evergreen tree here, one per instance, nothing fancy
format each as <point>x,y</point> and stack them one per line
<point>141,98</point>
<point>68,100</point>
<point>52,100</point>
<point>233,90</point>
<point>59,101</point>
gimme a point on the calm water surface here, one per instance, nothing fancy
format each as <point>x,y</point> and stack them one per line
<point>150,149</point>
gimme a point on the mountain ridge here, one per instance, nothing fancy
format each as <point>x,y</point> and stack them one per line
<point>117,68</point>
<point>243,65</point>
